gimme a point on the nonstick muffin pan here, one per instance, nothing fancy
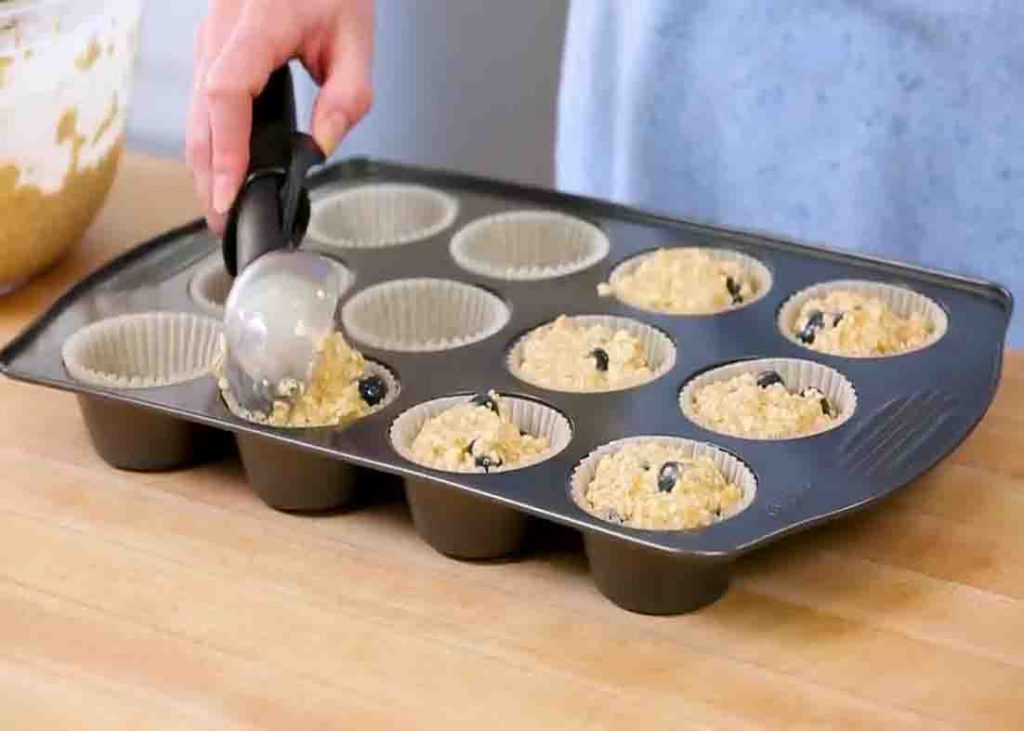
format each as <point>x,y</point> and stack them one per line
<point>911,409</point>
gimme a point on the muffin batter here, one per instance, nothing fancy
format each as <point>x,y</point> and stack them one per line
<point>683,281</point>
<point>848,323</point>
<point>341,390</point>
<point>568,356</point>
<point>476,436</point>
<point>761,407</point>
<point>657,486</point>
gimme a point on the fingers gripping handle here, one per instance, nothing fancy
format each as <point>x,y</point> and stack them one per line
<point>271,210</point>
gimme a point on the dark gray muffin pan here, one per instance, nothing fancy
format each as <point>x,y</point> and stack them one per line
<point>912,409</point>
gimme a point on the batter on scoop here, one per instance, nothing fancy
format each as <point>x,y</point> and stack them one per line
<point>759,406</point>
<point>683,281</point>
<point>476,436</point>
<point>568,355</point>
<point>656,485</point>
<point>341,389</point>
<point>847,323</point>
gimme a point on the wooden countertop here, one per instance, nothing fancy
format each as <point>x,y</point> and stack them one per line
<point>179,601</point>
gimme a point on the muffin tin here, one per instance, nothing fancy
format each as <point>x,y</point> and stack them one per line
<point>911,411</point>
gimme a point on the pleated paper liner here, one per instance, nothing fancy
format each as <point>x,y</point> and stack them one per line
<point>423,315</point>
<point>378,215</point>
<point>731,467</point>
<point>532,417</point>
<point>796,374</point>
<point>143,350</point>
<point>902,301</point>
<point>528,245</point>
<point>659,350</point>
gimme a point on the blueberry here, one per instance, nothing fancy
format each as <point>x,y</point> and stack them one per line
<point>826,407</point>
<point>734,289</point>
<point>815,322</point>
<point>485,399</point>
<point>614,517</point>
<point>769,378</point>
<point>837,317</point>
<point>373,389</point>
<point>600,356</point>
<point>486,463</point>
<point>668,476</point>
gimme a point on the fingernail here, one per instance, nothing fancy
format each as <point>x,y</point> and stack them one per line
<point>330,131</point>
<point>223,193</point>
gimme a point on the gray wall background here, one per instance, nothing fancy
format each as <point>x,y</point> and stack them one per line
<point>465,84</point>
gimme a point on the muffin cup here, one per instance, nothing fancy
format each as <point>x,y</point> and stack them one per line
<point>458,524</point>
<point>423,315</point>
<point>372,368</point>
<point>528,245</point>
<point>658,349</point>
<point>751,267</point>
<point>376,216</point>
<point>146,350</point>
<point>648,580</point>
<point>797,375</point>
<point>904,302</point>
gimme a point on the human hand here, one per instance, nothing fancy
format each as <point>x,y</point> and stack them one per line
<point>239,44</point>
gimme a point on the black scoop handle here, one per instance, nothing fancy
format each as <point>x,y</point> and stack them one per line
<point>271,211</point>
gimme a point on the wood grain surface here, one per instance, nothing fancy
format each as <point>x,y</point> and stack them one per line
<point>131,601</point>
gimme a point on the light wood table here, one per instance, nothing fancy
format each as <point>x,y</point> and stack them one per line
<point>180,601</point>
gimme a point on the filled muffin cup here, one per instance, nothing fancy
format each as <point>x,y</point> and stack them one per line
<point>732,468</point>
<point>532,417</point>
<point>423,315</point>
<point>528,245</point>
<point>372,369</point>
<point>379,215</point>
<point>144,350</point>
<point>902,301</point>
<point>750,268</point>
<point>458,524</point>
<point>659,351</point>
<point>796,374</point>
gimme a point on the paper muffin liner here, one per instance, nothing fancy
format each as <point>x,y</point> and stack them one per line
<point>797,375</point>
<point>379,215</point>
<point>533,417</point>
<point>659,350</point>
<point>751,267</point>
<point>904,302</point>
<point>732,468</point>
<point>144,350</point>
<point>423,315</point>
<point>372,368</point>
<point>211,284</point>
<point>528,245</point>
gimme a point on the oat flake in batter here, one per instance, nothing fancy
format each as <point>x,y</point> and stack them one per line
<point>658,486</point>
<point>760,406</point>
<point>847,323</point>
<point>476,436</point>
<point>683,281</point>
<point>568,356</point>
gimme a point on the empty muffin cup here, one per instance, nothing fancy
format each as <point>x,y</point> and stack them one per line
<point>379,215</point>
<point>147,350</point>
<point>798,376</point>
<point>456,523</point>
<point>423,315</point>
<point>657,349</point>
<point>528,245</point>
<point>649,580</point>
<point>748,281</point>
<point>903,302</point>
